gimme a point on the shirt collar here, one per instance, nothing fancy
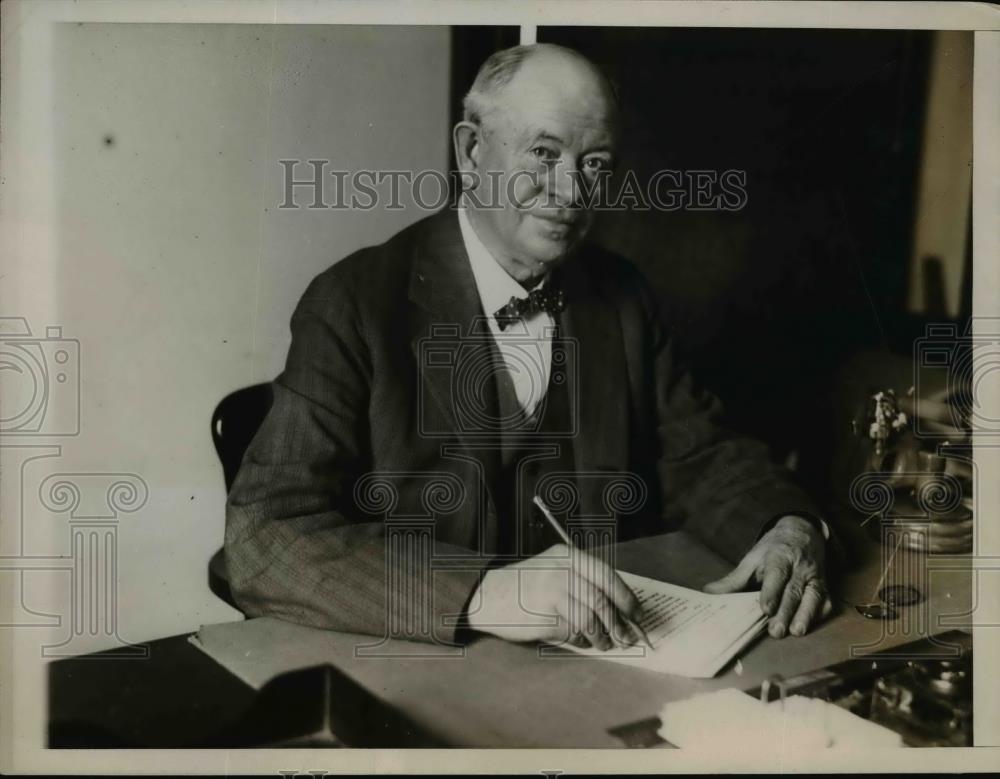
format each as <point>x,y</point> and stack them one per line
<point>495,286</point>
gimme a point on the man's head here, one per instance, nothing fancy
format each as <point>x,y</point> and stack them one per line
<point>539,129</point>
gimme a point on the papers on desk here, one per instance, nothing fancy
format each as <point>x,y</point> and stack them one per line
<point>693,633</point>
<point>735,719</point>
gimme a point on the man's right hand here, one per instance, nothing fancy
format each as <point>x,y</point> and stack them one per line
<point>560,595</point>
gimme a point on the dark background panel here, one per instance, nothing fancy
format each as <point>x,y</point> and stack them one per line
<point>470,46</point>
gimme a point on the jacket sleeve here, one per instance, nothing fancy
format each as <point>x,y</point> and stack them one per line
<point>718,485</point>
<point>296,547</point>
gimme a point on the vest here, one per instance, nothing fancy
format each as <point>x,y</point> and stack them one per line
<point>532,449</point>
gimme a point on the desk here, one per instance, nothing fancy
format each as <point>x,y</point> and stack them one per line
<point>496,695</point>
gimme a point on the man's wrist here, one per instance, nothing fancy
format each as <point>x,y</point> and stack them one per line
<point>466,631</point>
<point>815,522</point>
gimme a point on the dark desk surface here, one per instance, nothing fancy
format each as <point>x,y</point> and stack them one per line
<point>498,694</point>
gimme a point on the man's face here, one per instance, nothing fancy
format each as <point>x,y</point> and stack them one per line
<point>548,143</point>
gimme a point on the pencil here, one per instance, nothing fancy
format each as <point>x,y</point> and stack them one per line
<point>569,542</point>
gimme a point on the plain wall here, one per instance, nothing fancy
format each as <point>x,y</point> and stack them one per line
<point>944,197</point>
<point>176,270</point>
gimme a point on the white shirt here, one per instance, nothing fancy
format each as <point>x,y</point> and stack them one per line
<point>525,345</point>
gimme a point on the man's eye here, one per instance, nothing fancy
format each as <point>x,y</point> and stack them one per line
<point>595,164</point>
<point>544,153</point>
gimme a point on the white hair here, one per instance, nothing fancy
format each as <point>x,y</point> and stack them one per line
<point>498,70</point>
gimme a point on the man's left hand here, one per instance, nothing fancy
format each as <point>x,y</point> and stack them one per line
<point>788,562</point>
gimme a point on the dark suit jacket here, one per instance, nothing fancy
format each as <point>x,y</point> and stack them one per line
<point>309,532</point>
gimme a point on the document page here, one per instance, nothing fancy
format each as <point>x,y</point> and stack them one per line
<point>693,633</point>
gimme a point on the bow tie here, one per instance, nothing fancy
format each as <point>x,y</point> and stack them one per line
<point>551,301</point>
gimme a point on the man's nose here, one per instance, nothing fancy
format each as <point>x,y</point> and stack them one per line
<point>566,186</point>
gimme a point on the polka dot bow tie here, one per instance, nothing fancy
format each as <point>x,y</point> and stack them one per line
<point>549,300</point>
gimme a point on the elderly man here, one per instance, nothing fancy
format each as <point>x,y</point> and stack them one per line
<point>477,358</point>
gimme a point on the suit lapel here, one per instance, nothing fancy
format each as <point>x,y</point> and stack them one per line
<point>452,345</point>
<point>597,385</point>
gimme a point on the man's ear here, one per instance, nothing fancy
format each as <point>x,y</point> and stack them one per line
<point>466,136</point>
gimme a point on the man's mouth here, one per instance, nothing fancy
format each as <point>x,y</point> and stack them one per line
<point>557,222</point>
